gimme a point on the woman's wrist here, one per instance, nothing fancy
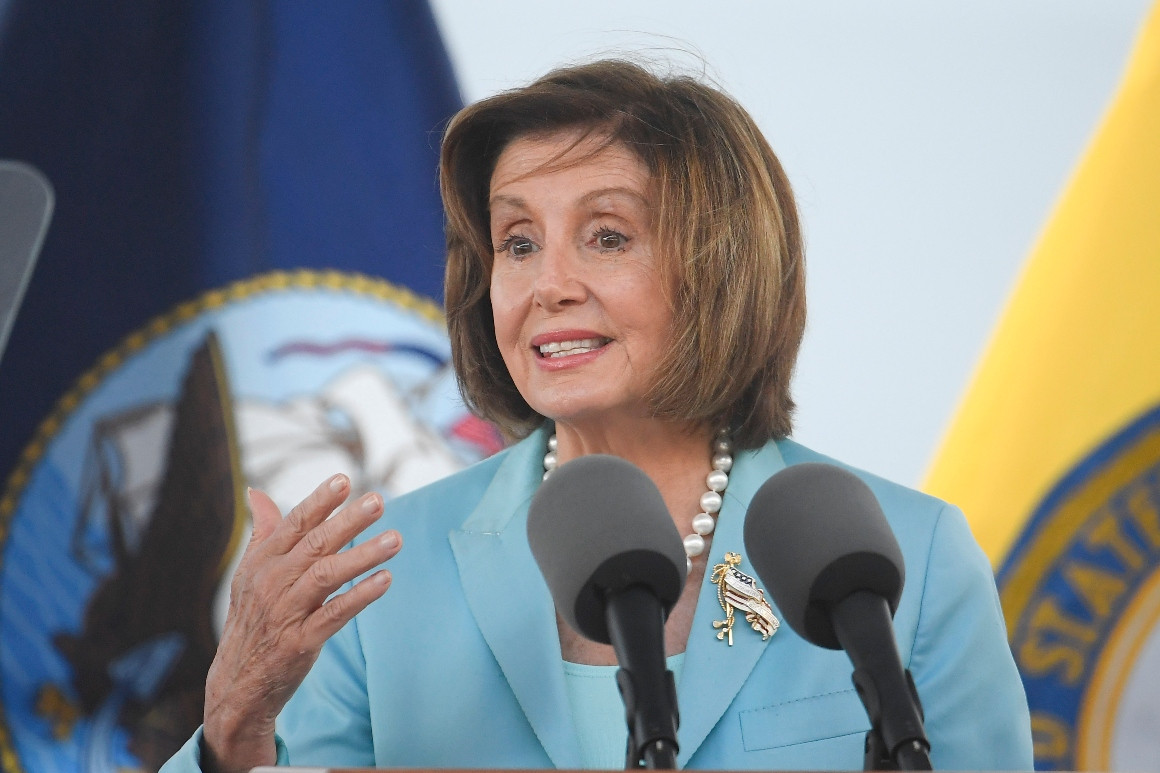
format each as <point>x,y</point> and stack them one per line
<point>236,747</point>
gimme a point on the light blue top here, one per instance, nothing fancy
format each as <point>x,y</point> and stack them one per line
<point>459,664</point>
<point>598,712</point>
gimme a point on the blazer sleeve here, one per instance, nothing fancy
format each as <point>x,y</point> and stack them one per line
<point>327,722</point>
<point>975,708</point>
<point>188,757</point>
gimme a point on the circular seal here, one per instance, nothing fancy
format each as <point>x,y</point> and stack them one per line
<point>125,515</point>
<point>1081,594</point>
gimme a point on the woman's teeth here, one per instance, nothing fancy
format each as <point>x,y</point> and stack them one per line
<point>568,348</point>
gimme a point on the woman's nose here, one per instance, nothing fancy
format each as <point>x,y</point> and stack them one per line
<point>558,281</point>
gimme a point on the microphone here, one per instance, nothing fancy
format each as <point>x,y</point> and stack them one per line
<point>817,537</point>
<point>615,566</point>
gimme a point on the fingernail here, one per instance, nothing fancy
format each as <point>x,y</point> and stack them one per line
<point>389,540</point>
<point>370,503</point>
<point>338,483</point>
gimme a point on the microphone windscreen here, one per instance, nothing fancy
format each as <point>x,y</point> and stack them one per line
<point>596,526</point>
<point>815,533</point>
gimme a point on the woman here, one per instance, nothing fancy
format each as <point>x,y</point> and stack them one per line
<point>624,276</point>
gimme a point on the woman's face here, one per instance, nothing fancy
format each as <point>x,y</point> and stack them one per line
<point>581,315</point>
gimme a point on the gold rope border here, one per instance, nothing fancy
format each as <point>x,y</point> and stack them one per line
<point>276,281</point>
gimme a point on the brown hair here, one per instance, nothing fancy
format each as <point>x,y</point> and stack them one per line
<point>726,219</point>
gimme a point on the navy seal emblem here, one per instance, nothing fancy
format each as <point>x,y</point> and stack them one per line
<point>123,520</point>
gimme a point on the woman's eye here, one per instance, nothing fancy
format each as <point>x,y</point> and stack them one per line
<point>611,240</point>
<point>518,246</point>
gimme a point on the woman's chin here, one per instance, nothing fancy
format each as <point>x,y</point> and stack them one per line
<point>590,412</point>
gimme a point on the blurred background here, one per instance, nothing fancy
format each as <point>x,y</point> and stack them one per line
<point>240,286</point>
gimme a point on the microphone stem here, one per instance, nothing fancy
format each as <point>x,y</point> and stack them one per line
<point>660,755</point>
<point>636,629</point>
<point>862,623</point>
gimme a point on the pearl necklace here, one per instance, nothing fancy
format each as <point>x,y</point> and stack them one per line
<point>717,480</point>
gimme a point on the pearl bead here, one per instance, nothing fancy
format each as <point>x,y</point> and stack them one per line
<point>552,443</point>
<point>694,545</point>
<point>723,445</point>
<point>550,462</point>
<point>703,523</point>
<point>710,502</point>
<point>722,461</point>
<point>717,481</point>
<point>688,566</point>
<point>546,474</point>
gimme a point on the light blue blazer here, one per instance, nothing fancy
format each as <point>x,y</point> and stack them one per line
<point>459,664</point>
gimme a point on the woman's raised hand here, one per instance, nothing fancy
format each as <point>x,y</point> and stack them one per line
<point>280,614</point>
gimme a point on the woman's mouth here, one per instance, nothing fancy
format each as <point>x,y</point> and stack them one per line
<point>560,349</point>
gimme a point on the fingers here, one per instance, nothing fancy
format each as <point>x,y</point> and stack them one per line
<point>338,611</point>
<point>313,567</point>
<point>330,536</point>
<point>297,559</point>
<point>328,574</point>
<point>308,514</point>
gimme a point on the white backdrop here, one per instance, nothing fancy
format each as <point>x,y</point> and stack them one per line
<point>927,143</point>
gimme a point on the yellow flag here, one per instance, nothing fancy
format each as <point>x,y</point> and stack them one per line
<point>1054,453</point>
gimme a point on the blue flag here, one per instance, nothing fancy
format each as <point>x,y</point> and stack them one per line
<point>236,290</point>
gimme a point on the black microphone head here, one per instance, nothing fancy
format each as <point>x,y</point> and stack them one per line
<point>596,526</point>
<point>815,533</point>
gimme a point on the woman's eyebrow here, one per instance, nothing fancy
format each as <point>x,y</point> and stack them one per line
<point>513,202</point>
<point>614,192</point>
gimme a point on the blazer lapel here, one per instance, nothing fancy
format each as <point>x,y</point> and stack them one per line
<point>511,603</point>
<point>713,672</point>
